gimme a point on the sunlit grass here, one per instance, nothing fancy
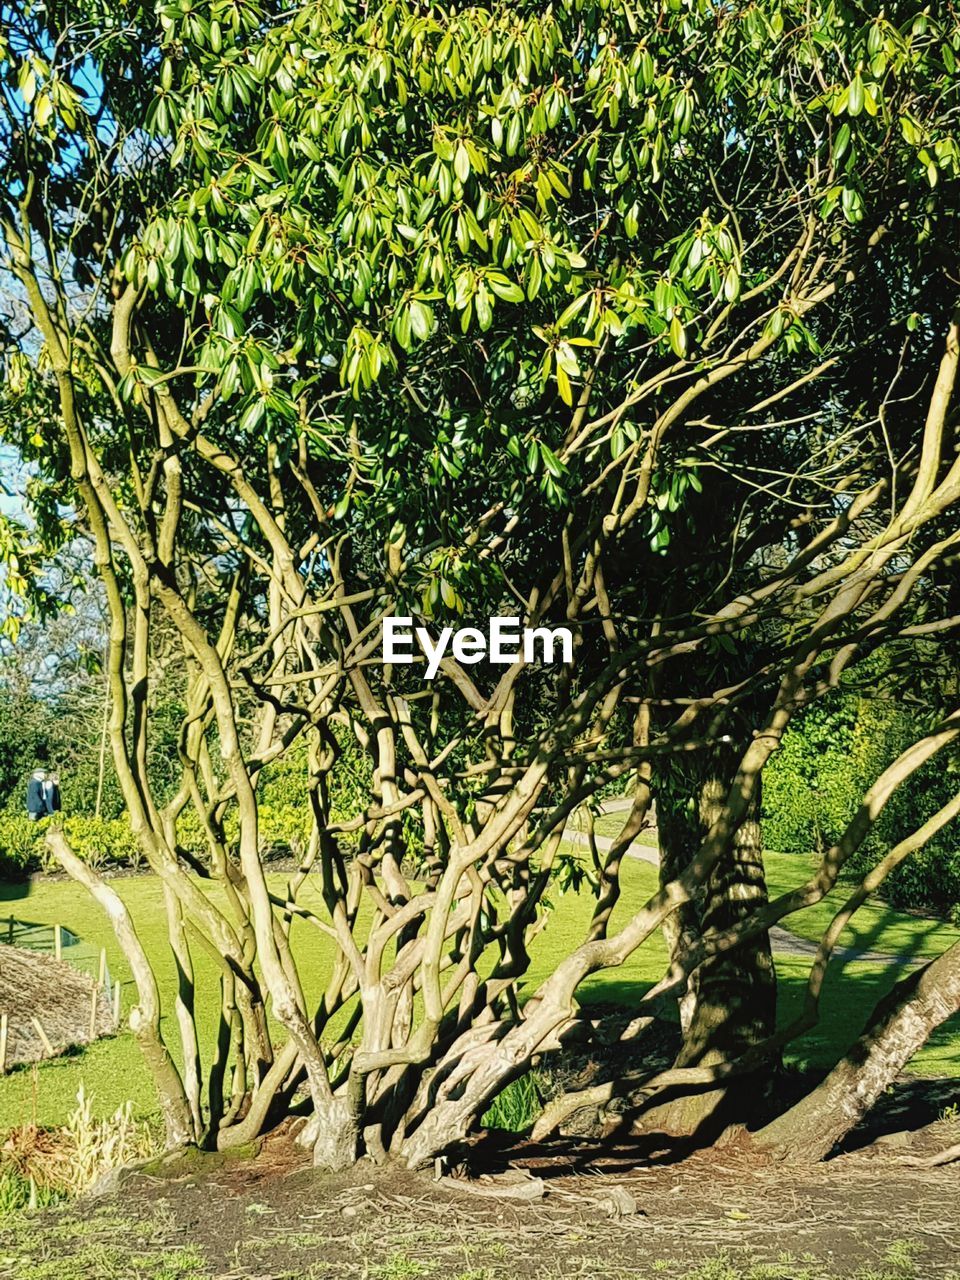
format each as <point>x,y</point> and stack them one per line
<point>518,1105</point>
<point>875,927</point>
<point>113,1070</point>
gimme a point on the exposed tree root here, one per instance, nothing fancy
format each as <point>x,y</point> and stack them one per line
<point>947,1156</point>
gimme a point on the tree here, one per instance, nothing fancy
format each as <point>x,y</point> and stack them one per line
<point>54,697</point>
<point>357,311</point>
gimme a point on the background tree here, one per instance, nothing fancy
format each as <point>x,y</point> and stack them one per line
<point>835,748</point>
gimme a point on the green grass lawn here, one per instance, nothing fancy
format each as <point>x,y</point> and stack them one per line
<point>875,927</point>
<point>112,1070</point>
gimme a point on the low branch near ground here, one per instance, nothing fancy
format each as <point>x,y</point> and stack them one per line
<point>947,1156</point>
<point>145,1015</point>
<point>901,1024</point>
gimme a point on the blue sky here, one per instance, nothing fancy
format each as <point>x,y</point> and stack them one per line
<point>11,472</point>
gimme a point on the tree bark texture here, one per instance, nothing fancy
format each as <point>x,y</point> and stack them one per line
<point>734,994</point>
<point>901,1024</point>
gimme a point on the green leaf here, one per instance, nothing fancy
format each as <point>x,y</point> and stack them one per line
<point>504,288</point>
<point>252,416</point>
<point>855,96</point>
<point>461,163</point>
<point>678,337</point>
<point>534,274</point>
<point>841,142</point>
<point>402,328</point>
<point>421,319</point>
<point>28,83</point>
<point>551,461</point>
<point>43,109</point>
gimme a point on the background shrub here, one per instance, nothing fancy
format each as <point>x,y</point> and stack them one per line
<point>19,845</point>
<point>815,782</point>
<point>101,842</point>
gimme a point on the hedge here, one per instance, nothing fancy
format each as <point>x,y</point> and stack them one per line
<point>106,842</point>
<point>98,841</point>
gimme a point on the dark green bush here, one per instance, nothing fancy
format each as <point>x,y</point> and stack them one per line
<point>18,845</point>
<point>815,783</point>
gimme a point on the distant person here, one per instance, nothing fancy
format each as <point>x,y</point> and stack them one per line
<point>36,800</point>
<point>51,793</point>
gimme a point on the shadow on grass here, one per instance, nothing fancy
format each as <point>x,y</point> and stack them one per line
<point>850,995</point>
<point>851,992</point>
<point>872,938</point>
<point>14,891</point>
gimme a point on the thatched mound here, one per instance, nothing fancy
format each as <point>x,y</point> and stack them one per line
<point>36,986</point>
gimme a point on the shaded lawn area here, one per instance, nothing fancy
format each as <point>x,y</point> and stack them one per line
<point>112,1070</point>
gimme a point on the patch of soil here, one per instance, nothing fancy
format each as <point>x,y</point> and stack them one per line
<point>907,1113</point>
<point>273,1216</point>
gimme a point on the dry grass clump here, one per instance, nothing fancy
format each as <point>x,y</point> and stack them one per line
<point>38,1165</point>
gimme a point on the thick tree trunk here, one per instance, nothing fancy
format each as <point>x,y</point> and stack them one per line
<point>901,1024</point>
<point>735,993</point>
<point>333,1135</point>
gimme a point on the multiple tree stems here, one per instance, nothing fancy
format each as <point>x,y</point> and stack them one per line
<point>415,1083</point>
<point>432,892</point>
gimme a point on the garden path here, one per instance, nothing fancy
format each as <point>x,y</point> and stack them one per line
<point>781,939</point>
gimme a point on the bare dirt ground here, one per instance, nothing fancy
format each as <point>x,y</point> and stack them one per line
<point>625,1211</point>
